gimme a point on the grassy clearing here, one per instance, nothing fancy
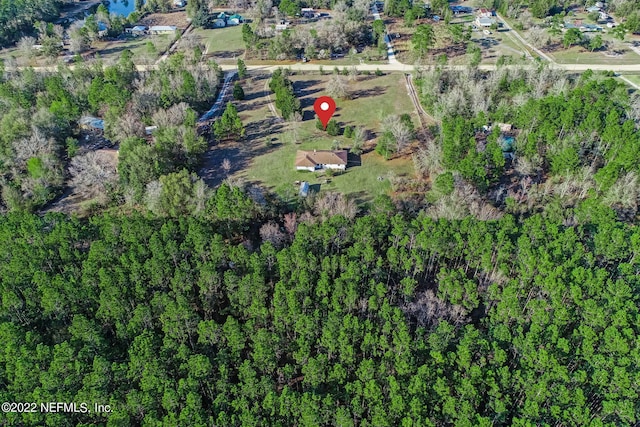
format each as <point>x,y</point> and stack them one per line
<point>634,78</point>
<point>579,55</point>
<point>222,41</point>
<point>273,166</point>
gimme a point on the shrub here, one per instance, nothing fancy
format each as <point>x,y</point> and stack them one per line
<point>348,132</point>
<point>333,128</point>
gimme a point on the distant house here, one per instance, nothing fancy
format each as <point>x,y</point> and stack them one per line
<point>485,13</point>
<point>138,30</point>
<point>222,15</point>
<point>91,123</point>
<point>588,28</point>
<point>282,26</point>
<point>162,29</point>
<point>235,19</point>
<point>179,3</point>
<point>482,21</point>
<point>593,9</point>
<point>307,12</point>
<point>321,159</point>
<point>219,23</point>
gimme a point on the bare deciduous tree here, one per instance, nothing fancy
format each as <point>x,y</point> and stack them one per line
<point>34,146</point>
<point>332,204</point>
<point>624,192</point>
<point>128,125</point>
<point>428,160</point>
<point>92,174</point>
<point>25,46</point>
<point>270,232</point>
<point>401,132</point>
<point>291,223</point>
<point>429,310</point>
<point>538,37</point>
<point>173,116</point>
<point>337,87</point>
<point>226,166</point>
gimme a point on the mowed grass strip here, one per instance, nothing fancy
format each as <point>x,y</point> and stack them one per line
<point>368,176</point>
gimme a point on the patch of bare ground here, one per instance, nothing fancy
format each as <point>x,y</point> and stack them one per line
<point>260,128</point>
<point>177,18</point>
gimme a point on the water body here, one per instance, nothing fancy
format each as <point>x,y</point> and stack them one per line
<point>121,7</point>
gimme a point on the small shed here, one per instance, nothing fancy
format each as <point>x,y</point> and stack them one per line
<point>304,189</point>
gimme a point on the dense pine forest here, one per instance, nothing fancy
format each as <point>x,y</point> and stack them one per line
<point>384,320</point>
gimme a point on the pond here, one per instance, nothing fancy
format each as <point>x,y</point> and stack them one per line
<point>121,7</point>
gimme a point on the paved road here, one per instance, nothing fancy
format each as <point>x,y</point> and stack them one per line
<point>222,97</point>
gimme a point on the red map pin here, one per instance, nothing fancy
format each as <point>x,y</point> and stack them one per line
<point>324,108</point>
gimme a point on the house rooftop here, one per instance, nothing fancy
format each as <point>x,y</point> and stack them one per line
<point>320,157</point>
<point>91,122</point>
<point>162,28</point>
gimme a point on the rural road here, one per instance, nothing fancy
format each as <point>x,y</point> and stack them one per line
<point>391,55</point>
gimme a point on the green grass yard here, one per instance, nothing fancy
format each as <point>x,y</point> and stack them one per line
<point>222,41</point>
<point>373,99</point>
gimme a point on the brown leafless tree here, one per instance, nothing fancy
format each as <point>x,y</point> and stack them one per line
<point>332,204</point>
<point>226,166</point>
<point>93,174</point>
<point>337,87</point>
<point>173,116</point>
<point>538,37</point>
<point>429,310</point>
<point>25,47</point>
<point>270,232</point>
<point>291,223</point>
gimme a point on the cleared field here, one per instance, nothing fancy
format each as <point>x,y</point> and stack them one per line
<point>579,55</point>
<point>145,49</point>
<point>267,154</point>
<point>222,42</point>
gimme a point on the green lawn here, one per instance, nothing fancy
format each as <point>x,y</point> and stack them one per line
<point>374,98</point>
<point>578,55</point>
<point>222,41</point>
<point>633,78</point>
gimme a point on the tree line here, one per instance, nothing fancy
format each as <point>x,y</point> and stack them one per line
<point>384,319</point>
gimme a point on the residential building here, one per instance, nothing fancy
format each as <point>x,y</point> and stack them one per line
<point>484,22</point>
<point>321,159</point>
<point>162,29</point>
